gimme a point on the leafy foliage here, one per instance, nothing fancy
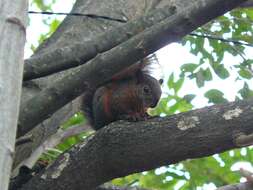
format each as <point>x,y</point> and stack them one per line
<point>52,154</point>
<point>42,5</point>
<point>215,96</point>
<point>46,21</point>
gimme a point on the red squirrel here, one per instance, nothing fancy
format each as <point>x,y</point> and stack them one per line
<point>126,97</point>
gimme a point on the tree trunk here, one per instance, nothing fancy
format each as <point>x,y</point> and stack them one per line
<point>13,20</point>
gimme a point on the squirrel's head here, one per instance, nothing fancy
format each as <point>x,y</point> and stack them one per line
<point>150,91</point>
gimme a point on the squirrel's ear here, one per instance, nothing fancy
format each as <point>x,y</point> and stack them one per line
<point>160,81</point>
<point>152,67</point>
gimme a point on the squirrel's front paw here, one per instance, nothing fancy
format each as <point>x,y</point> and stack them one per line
<point>134,117</point>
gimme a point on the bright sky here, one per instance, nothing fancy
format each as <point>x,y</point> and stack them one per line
<point>174,55</point>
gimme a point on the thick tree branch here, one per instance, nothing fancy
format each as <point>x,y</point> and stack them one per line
<point>77,54</point>
<point>239,186</point>
<point>51,142</point>
<point>112,187</point>
<point>84,77</point>
<point>48,127</point>
<point>128,147</point>
<point>247,4</point>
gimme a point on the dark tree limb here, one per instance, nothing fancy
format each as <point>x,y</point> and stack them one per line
<point>239,186</point>
<point>112,187</point>
<point>77,54</point>
<point>123,148</point>
<point>105,65</point>
<point>247,4</point>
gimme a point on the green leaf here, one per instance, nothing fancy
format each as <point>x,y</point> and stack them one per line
<point>189,97</point>
<point>76,119</point>
<point>184,106</point>
<point>200,78</point>
<point>33,48</point>
<point>175,175</point>
<point>178,84</point>
<point>189,67</point>
<point>249,13</point>
<point>245,92</point>
<point>215,96</point>
<point>42,6</point>
<point>220,70</point>
<point>245,73</point>
<point>170,82</point>
<point>207,74</point>
<point>54,25</point>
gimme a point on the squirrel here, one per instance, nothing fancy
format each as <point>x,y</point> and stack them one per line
<point>126,97</point>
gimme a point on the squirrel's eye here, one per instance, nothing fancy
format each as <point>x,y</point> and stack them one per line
<point>146,90</point>
<point>160,81</point>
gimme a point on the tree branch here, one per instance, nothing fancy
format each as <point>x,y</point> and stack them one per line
<point>112,187</point>
<point>77,54</point>
<point>51,142</point>
<point>123,148</point>
<point>239,186</point>
<point>247,4</point>
<point>85,77</point>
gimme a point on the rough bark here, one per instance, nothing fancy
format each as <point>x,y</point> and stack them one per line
<point>77,54</point>
<point>48,127</point>
<point>111,187</point>
<point>121,148</point>
<point>247,4</point>
<point>239,186</point>
<point>13,20</point>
